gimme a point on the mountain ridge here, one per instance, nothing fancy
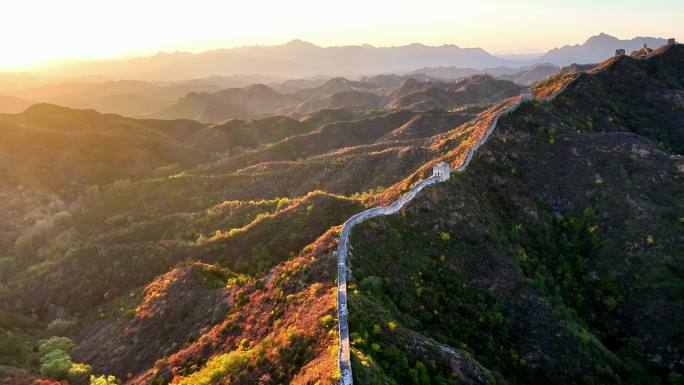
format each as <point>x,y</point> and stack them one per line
<point>596,48</point>
<point>257,101</point>
<point>556,257</point>
<point>346,60</point>
<point>286,58</point>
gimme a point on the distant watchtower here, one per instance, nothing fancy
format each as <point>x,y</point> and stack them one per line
<point>526,93</point>
<point>671,41</point>
<point>646,49</point>
<point>441,170</point>
<point>620,52</point>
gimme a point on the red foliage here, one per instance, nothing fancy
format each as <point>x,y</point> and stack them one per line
<point>14,376</point>
<point>45,381</point>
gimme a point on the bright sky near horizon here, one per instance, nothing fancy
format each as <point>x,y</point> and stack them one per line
<point>40,31</point>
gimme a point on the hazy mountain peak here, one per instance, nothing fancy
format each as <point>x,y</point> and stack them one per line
<point>296,58</point>
<point>601,38</point>
<point>601,35</point>
<point>480,78</point>
<point>411,82</point>
<point>53,110</point>
<point>596,49</point>
<point>338,80</point>
<point>259,88</point>
<point>298,43</point>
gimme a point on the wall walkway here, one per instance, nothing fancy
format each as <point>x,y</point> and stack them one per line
<point>344,249</point>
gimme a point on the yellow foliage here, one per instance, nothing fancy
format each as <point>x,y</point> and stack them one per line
<point>650,240</point>
<point>224,366</point>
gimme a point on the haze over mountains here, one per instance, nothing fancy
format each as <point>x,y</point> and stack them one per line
<point>151,86</point>
<point>293,59</point>
<point>596,48</point>
<point>173,219</point>
<point>260,100</point>
<point>302,59</point>
<point>187,252</point>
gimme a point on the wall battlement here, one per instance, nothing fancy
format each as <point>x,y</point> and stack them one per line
<point>441,172</point>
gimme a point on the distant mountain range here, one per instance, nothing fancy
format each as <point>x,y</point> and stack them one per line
<point>293,59</point>
<point>393,92</point>
<point>520,75</point>
<point>125,97</point>
<point>217,98</point>
<point>596,49</point>
<point>287,70</point>
<point>302,59</point>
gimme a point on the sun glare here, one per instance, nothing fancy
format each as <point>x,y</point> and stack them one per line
<point>39,32</point>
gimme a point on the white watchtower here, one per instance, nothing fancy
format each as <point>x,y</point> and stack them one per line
<point>441,170</point>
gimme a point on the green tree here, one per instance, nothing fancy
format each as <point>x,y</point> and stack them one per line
<point>62,220</point>
<point>6,267</point>
<point>675,379</point>
<point>60,327</point>
<point>372,284</point>
<point>55,343</point>
<point>55,364</point>
<point>422,372</point>
<point>23,246</point>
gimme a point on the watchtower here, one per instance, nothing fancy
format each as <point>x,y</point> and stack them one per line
<point>441,170</point>
<point>671,41</point>
<point>620,52</point>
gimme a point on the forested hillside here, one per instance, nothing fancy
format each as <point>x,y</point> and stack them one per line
<point>185,252</point>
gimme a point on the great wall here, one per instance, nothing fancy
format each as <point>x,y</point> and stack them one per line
<point>601,67</point>
<point>439,175</point>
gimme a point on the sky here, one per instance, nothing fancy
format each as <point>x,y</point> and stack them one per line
<point>36,32</point>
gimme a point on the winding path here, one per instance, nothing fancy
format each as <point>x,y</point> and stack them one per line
<point>344,249</point>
